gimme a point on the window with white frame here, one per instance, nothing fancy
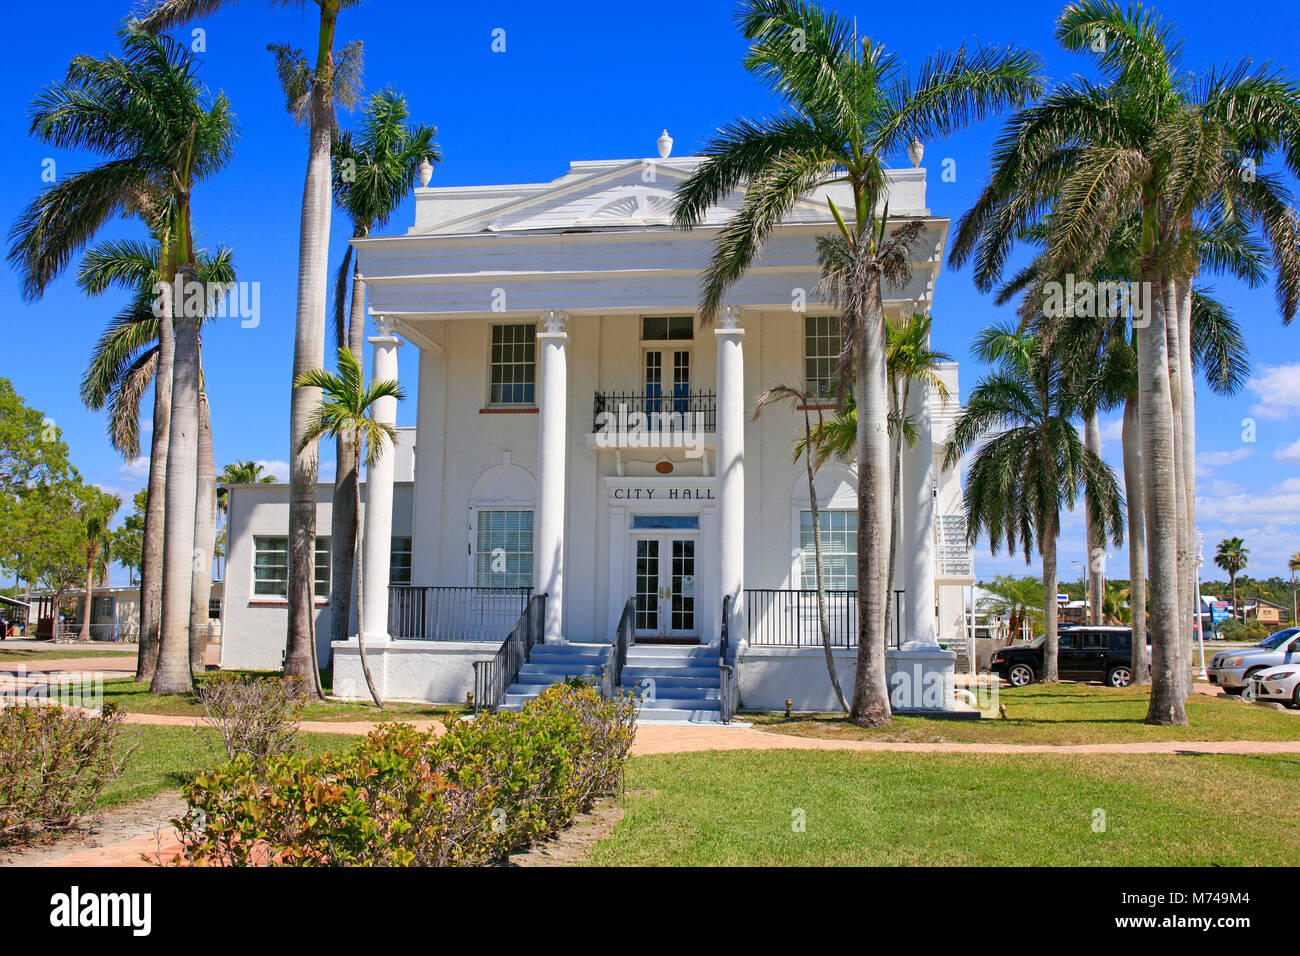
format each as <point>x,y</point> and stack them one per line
<point>839,549</point>
<point>214,609</point>
<point>513,372</point>
<point>399,562</point>
<point>822,339</point>
<point>271,566</point>
<point>503,557</point>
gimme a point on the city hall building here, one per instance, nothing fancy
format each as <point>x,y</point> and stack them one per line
<point>581,435</point>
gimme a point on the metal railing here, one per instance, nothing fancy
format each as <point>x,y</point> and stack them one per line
<point>493,677</point>
<point>611,675</point>
<point>453,613</point>
<point>789,618</point>
<point>667,413</point>
<point>728,690</point>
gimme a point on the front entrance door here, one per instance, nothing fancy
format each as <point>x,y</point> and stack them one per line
<point>665,587</point>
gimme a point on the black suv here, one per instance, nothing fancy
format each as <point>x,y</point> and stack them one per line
<point>1084,653</point>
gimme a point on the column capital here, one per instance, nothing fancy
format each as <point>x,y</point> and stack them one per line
<point>385,330</point>
<point>553,323</point>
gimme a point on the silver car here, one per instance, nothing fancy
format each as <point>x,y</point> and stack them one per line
<point>1232,669</point>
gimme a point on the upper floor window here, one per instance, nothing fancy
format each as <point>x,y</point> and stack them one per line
<point>513,373</point>
<point>271,566</point>
<point>822,341</point>
<point>661,328</point>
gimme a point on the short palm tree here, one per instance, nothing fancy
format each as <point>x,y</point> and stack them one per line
<point>851,107</point>
<point>96,516</point>
<point>1232,555</point>
<point>313,99</point>
<point>1029,461</point>
<point>1017,599</point>
<point>240,473</point>
<point>804,399</point>
<point>348,405</point>
<point>161,133</point>
<point>1157,144</point>
<point>375,169</point>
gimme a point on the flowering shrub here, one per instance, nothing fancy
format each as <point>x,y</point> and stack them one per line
<point>53,765</point>
<point>406,798</point>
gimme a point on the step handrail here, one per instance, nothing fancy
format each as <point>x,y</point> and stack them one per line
<point>611,674</point>
<point>728,689</point>
<point>493,677</point>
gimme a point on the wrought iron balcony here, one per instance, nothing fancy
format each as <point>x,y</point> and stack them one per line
<point>650,411</point>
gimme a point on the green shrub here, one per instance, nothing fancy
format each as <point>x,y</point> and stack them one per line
<point>407,798</point>
<point>53,765</point>
<point>1250,631</point>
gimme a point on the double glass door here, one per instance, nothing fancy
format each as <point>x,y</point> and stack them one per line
<point>665,587</point>
<point>667,380</point>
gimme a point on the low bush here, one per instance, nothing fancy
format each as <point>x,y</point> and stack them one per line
<point>1249,631</point>
<point>407,798</point>
<point>253,716</point>
<point>53,765</point>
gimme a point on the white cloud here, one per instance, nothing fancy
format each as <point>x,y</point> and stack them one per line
<point>1222,489</point>
<point>1112,431</point>
<point>1289,452</point>
<point>1278,388</point>
<point>137,470</point>
<point>1213,459</point>
<point>278,468</point>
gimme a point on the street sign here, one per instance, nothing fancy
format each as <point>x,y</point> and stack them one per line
<point>1063,598</point>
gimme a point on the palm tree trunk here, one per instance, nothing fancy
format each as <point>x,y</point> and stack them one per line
<point>823,615</point>
<point>1176,381</point>
<point>343,544</point>
<point>173,673</point>
<point>870,691</point>
<point>308,353</point>
<point>151,552</point>
<point>1160,499</point>
<point>894,494</point>
<point>1051,672</point>
<point>205,536</point>
<point>84,636</point>
<point>1188,457</point>
<point>1096,542</point>
<point>1137,572</point>
<point>356,537</point>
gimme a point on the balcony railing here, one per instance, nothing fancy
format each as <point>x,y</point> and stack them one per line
<point>454,613</point>
<point>655,413</point>
<point>789,618</point>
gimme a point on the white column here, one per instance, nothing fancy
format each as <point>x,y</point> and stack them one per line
<point>731,466</point>
<point>916,538</point>
<point>552,412</point>
<point>376,544</point>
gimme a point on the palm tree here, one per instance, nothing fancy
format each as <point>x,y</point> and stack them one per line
<point>1293,565</point>
<point>1030,462</point>
<point>850,107</point>
<point>161,134</point>
<point>96,515</point>
<point>374,171</point>
<point>1154,145</point>
<point>313,97</point>
<point>124,362</point>
<point>240,473</point>
<point>1018,599</point>
<point>347,405</point>
<point>1231,555</point>
<point>803,400</point>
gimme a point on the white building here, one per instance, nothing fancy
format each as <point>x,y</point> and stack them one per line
<point>581,435</point>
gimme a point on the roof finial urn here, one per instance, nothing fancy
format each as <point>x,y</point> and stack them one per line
<point>915,152</point>
<point>665,144</point>
<point>426,171</point>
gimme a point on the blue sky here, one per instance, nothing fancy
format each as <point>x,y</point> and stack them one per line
<point>584,81</point>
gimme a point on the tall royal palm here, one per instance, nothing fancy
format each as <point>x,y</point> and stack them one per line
<point>313,268</point>
<point>851,106</point>
<point>1156,145</point>
<point>375,169</point>
<point>1029,462</point>
<point>348,405</point>
<point>160,133</point>
<point>1232,556</point>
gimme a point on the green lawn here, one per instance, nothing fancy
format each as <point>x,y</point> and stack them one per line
<point>1061,714</point>
<point>736,808</point>
<point>164,758</point>
<point>18,655</point>
<point>136,698</point>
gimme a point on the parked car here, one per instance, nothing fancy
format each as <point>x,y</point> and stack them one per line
<point>1279,684</point>
<point>1083,653</point>
<point>1232,669</point>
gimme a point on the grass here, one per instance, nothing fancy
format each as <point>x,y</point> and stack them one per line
<point>165,758</point>
<point>1060,714</point>
<point>18,655</point>
<point>135,698</point>
<point>738,809</point>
